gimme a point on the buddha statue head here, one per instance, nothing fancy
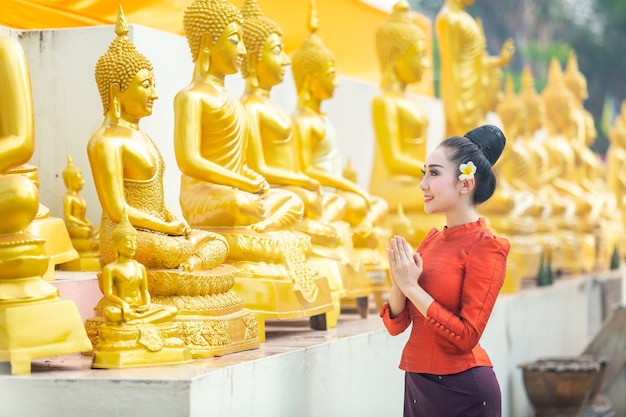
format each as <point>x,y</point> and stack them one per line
<point>313,65</point>
<point>558,102</point>
<point>122,73</point>
<point>400,46</point>
<point>266,60</point>
<point>574,79</point>
<point>511,111</point>
<point>215,36</point>
<point>533,105</point>
<point>125,236</point>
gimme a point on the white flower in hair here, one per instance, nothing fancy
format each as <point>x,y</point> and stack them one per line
<point>467,171</point>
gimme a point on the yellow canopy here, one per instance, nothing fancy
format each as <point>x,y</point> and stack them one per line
<point>347,27</point>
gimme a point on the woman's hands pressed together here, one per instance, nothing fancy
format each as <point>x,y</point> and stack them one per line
<point>406,267</point>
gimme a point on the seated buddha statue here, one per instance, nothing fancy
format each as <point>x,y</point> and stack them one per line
<point>18,144</point>
<point>616,164</point>
<point>591,170</point>
<point>400,123</point>
<point>149,335</point>
<point>313,66</point>
<point>463,64</point>
<point>35,321</point>
<point>272,151</point>
<point>83,233</point>
<point>127,169</point>
<point>220,191</point>
<point>559,121</point>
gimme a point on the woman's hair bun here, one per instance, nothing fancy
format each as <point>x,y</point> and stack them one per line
<point>489,139</point>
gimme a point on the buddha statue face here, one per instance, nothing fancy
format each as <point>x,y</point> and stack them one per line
<point>324,82</point>
<point>411,65</point>
<point>228,51</point>
<point>270,69</point>
<point>137,99</point>
<point>127,246</point>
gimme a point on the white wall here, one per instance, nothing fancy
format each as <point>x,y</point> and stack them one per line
<point>68,108</point>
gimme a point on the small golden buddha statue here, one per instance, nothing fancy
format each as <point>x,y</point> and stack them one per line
<point>83,233</point>
<point>17,132</point>
<point>34,321</point>
<point>463,64</point>
<point>400,123</point>
<point>127,169</point>
<point>221,192</point>
<point>136,332</point>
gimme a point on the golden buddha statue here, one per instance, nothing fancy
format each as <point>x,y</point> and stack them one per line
<point>559,121</point>
<point>136,332</point>
<point>83,233</point>
<point>273,152</point>
<point>591,170</point>
<point>220,192</point>
<point>185,265</point>
<point>616,166</point>
<point>464,64</point>
<point>400,123</point>
<point>17,132</point>
<point>313,66</point>
<point>34,321</point>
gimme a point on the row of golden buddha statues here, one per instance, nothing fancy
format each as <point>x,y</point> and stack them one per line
<point>273,226</point>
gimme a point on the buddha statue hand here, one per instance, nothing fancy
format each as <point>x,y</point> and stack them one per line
<point>258,183</point>
<point>507,52</point>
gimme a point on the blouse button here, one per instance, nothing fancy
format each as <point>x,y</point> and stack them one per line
<point>484,402</point>
<point>439,376</point>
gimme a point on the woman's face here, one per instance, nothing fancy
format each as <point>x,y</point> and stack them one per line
<point>271,66</point>
<point>138,98</point>
<point>441,184</point>
<point>411,65</point>
<point>228,51</point>
<point>324,84</point>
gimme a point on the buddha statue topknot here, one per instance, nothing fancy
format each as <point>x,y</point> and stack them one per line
<point>221,192</point>
<point>185,265</point>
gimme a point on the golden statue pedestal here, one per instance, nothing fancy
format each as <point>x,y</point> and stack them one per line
<point>88,256</point>
<point>39,329</point>
<point>211,318</point>
<point>275,279</point>
<point>128,346</point>
<point>58,244</point>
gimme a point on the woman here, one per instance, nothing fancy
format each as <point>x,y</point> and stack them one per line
<point>127,169</point>
<point>447,290</point>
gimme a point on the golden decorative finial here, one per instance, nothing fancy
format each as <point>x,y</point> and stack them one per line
<point>508,87</point>
<point>121,27</point>
<point>349,172</point>
<point>314,21</point>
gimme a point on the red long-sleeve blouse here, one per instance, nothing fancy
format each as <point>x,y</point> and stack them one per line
<point>464,269</point>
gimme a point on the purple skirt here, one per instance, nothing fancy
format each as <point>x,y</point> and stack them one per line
<point>471,393</point>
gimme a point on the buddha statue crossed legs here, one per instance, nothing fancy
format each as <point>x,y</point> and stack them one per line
<point>185,265</point>
<point>220,192</point>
